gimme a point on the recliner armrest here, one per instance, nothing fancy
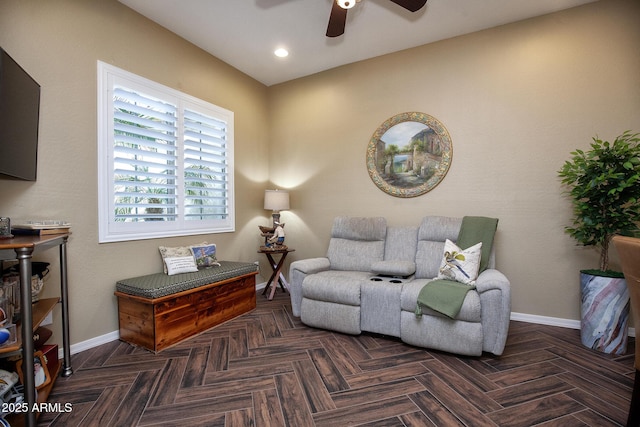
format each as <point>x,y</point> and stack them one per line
<point>492,279</point>
<point>311,265</point>
<point>298,270</point>
<point>495,299</point>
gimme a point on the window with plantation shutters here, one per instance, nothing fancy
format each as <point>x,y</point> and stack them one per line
<point>205,167</point>
<point>165,161</point>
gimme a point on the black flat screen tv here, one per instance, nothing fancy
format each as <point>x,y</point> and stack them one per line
<point>19,117</point>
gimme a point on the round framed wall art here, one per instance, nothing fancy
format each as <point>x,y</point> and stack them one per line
<point>409,154</point>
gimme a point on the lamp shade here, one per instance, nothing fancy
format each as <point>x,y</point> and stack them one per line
<point>276,200</point>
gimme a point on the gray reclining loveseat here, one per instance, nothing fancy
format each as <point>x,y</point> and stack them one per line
<point>371,278</point>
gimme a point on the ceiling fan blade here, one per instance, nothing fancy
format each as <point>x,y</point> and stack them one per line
<point>411,5</point>
<point>337,21</point>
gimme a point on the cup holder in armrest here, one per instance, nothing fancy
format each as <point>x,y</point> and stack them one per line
<point>389,279</point>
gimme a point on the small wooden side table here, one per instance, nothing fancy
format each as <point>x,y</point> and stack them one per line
<point>276,276</point>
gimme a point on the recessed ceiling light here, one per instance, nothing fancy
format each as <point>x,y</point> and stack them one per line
<point>346,4</point>
<point>281,52</point>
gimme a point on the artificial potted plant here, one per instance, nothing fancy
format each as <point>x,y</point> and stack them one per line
<point>604,186</point>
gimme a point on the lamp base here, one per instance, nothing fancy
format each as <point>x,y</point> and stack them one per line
<point>276,218</point>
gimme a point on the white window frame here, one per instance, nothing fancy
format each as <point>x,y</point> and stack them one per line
<point>110,230</point>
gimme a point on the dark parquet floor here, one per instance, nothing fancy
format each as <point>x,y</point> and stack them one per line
<point>267,369</point>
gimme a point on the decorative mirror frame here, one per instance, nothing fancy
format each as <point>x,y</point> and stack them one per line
<point>423,167</point>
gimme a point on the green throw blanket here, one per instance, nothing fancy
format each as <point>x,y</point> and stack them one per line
<point>447,296</point>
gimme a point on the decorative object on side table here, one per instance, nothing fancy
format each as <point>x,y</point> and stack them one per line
<point>277,239</point>
<point>276,201</point>
<point>604,187</point>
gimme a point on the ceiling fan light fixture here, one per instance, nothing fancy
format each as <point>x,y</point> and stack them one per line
<point>346,4</point>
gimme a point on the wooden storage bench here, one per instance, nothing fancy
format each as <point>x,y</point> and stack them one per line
<point>157,310</point>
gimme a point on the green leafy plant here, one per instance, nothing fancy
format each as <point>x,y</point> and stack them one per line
<point>604,186</point>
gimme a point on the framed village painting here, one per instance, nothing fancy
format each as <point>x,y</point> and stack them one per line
<point>409,154</point>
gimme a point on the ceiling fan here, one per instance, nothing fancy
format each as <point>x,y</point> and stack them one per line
<point>338,16</point>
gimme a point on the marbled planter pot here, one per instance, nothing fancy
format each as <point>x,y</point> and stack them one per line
<point>605,313</point>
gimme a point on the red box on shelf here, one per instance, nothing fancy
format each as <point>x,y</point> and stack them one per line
<point>50,351</point>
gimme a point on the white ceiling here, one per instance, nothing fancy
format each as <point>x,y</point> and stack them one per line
<point>244,33</point>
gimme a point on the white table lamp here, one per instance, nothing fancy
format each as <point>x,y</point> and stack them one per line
<point>276,201</point>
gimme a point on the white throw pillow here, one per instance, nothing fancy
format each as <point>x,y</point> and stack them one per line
<point>460,265</point>
<point>180,251</point>
<point>183,264</point>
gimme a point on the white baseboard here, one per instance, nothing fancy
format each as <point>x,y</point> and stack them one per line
<point>91,343</point>
<point>519,317</point>
<point>544,320</point>
<point>553,321</point>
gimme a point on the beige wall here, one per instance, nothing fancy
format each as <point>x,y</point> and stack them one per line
<point>515,99</point>
<point>59,44</point>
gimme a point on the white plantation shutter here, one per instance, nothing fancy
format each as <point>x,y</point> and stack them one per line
<point>144,158</point>
<point>165,161</point>
<point>205,167</point>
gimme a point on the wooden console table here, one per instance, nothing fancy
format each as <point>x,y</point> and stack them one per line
<point>276,276</point>
<point>22,248</point>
